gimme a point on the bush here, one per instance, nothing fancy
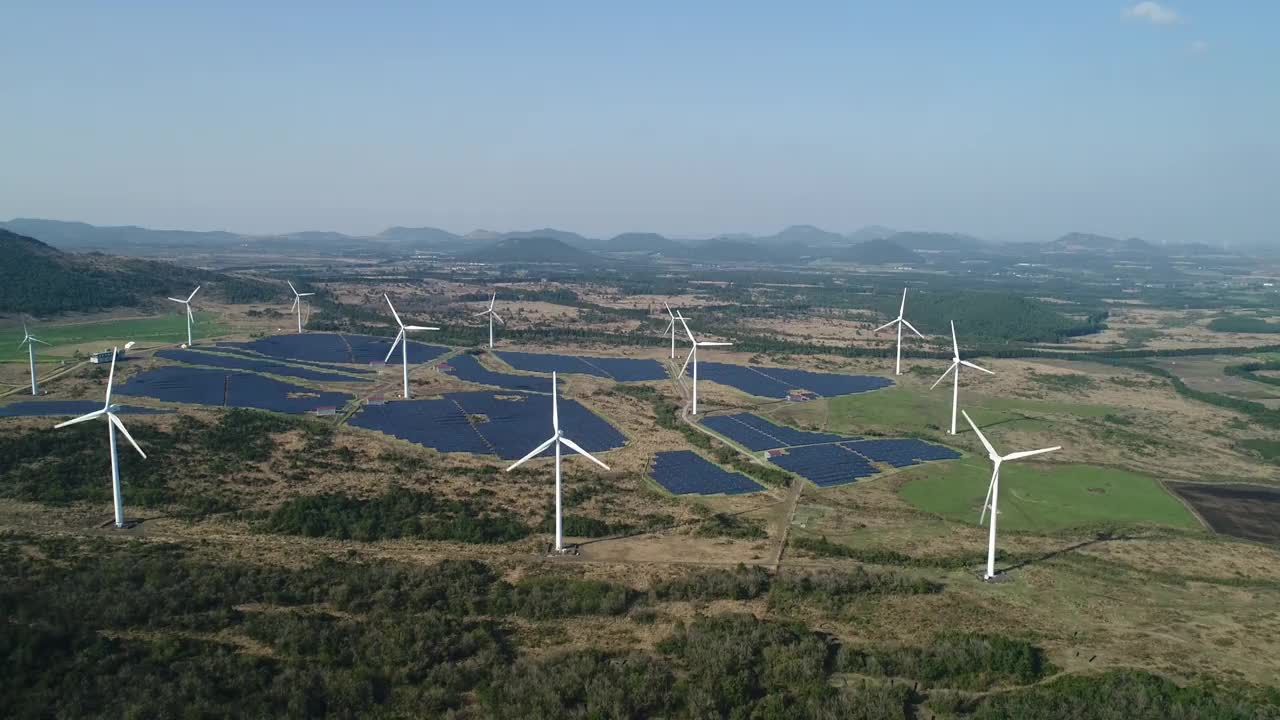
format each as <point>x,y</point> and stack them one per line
<point>955,660</point>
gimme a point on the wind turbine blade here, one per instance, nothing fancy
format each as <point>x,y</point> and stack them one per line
<point>184,302</point>
<point>886,325</point>
<point>120,426</point>
<point>966,363</point>
<point>393,310</point>
<point>482,312</point>
<point>687,358</point>
<point>493,299</point>
<point>955,345</point>
<point>913,328</point>
<point>687,331</point>
<point>574,446</point>
<point>305,294</point>
<point>943,376</point>
<point>534,453</point>
<point>33,337</point>
<point>420,327</point>
<point>291,287</point>
<point>82,418</point>
<point>393,346</point>
<point>983,438</point>
<point>498,317</point>
<point>1029,453</point>
<point>987,503</point>
<point>707,343</point>
<point>902,309</point>
<point>555,404</point>
<point>294,306</point>
<point>193,293</point>
<point>111,377</point>
<point>669,326</point>
<point>668,307</point>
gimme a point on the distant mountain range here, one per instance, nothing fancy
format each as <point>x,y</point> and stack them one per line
<point>532,250</point>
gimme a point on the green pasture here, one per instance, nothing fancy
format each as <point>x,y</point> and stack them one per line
<point>63,338</point>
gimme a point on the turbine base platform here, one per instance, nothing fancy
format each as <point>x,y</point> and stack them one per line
<point>999,577</point>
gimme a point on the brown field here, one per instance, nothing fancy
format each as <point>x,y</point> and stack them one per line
<point>1250,512</point>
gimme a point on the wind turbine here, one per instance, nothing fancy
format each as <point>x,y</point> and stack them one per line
<point>30,341</point>
<point>297,303</point>
<point>993,490</point>
<point>492,316</point>
<point>557,439</point>
<point>900,321</point>
<point>113,423</point>
<point>693,355</point>
<point>403,341</point>
<point>956,362</point>
<point>671,326</point>
<point>190,316</point>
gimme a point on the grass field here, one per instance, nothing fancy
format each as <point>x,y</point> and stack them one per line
<point>1044,497</point>
<point>64,339</point>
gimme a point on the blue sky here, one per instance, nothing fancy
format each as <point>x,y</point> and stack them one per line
<point>1008,120</point>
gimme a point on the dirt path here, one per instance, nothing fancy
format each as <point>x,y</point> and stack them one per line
<point>44,380</point>
<point>785,517</point>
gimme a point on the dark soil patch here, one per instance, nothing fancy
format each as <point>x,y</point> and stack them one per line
<point>1251,512</point>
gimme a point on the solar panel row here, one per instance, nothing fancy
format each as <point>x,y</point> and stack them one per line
<point>467,367</point>
<point>201,386</point>
<point>901,452</point>
<point>825,465</point>
<point>338,348</point>
<point>757,433</point>
<point>777,382</point>
<point>239,350</point>
<point>620,369</point>
<point>683,472</point>
<point>263,365</point>
<point>37,408</point>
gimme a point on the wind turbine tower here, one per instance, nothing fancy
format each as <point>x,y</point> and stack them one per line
<point>30,341</point>
<point>671,326</point>
<point>956,362</point>
<point>190,317</point>
<point>693,355</point>
<point>993,489</point>
<point>297,303</point>
<point>493,315</point>
<point>557,439</point>
<point>900,321</point>
<point>113,423</point>
<point>403,341</point>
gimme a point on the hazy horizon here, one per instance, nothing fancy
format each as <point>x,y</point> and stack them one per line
<point>1124,119</point>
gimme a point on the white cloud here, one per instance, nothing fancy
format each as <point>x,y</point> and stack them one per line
<point>1154,13</point>
<point>1198,47</point>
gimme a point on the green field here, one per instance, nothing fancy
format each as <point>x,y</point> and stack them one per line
<point>1044,497</point>
<point>915,410</point>
<point>63,338</point>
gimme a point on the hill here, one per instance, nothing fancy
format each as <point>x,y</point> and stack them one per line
<point>804,235</point>
<point>38,279</point>
<point>871,232</point>
<point>83,236</point>
<point>936,241</point>
<point>879,252</point>
<point>417,236</point>
<point>564,236</point>
<point>532,250</point>
<point>642,242</point>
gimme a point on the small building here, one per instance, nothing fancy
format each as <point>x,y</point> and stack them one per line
<point>800,396</point>
<point>444,367</point>
<point>777,453</point>
<point>326,411</point>
<point>376,400</point>
<point>103,357</point>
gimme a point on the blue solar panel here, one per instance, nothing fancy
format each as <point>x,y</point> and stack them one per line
<point>901,452</point>
<point>773,382</point>
<point>506,424</point>
<point>239,350</point>
<point>37,408</point>
<point>682,472</point>
<point>825,465</point>
<point>202,386</point>
<point>756,433</point>
<point>467,367</point>
<point>263,365</point>
<point>620,369</point>
<point>338,348</point>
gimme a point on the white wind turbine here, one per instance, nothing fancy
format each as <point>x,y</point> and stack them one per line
<point>900,321</point>
<point>493,315</point>
<point>693,355</point>
<point>30,341</point>
<point>671,326</point>
<point>557,439</point>
<point>297,303</point>
<point>956,362</point>
<point>113,423</point>
<point>190,317</point>
<point>993,489</point>
<point>403,341</point>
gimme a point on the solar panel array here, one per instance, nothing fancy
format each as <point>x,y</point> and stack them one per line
<point>683,472</point>
<point>901,452</point>
<point>338,348</point>
<point>620,369</point>
<point>777,382</point>
<point>201,386</point>
<point>238,350</point>
<point>467,367</point>
<point>505,424</point>
<point>263,365</point>
<point>71,408</point>
<point>756,433</point>
<point>825,465</point>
